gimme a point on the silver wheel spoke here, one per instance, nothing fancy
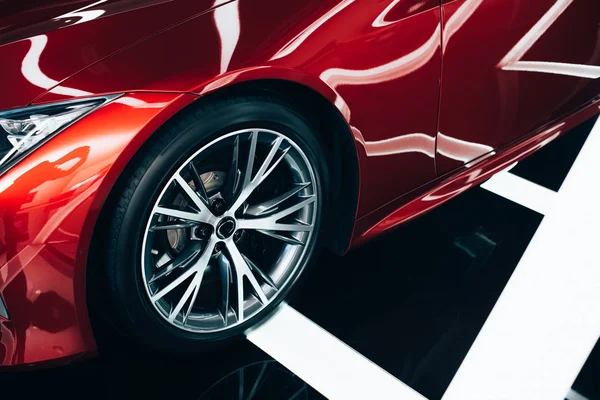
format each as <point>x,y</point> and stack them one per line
<point>192,301</point>
<point>198,183</point>
<point>270,223</point>
<point>264,169</point>
<point>177,225</point>
<point>225,271</point>
<point>250,183</point>
<point>271,205</point>
<point>185,215</point>
<point>267,224</point>
<point>239,285</point>
<point>182,260</point>
<point>200,264</point>
<point>264,276</point>
<point>192,290</point>
<point>205,212</point>
<point>283,238</point>
<point>233,176</point>
<point>251,155</point>
<point>241,271</point>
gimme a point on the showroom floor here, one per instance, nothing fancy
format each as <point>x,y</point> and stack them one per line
<point>411,303</point>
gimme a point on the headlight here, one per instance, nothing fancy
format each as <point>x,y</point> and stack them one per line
<point>24,129</point>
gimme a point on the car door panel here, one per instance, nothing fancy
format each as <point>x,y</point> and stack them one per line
<point>511,67</point>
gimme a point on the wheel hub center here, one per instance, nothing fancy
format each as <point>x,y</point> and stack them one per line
<point>225,228</point>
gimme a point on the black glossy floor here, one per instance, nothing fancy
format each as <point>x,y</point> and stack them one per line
<point>412,302</point>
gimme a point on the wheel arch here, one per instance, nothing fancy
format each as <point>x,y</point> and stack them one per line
<point>333,131</point>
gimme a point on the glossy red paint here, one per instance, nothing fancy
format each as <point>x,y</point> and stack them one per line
<point>48,207</point>
<point>490,95</point>
<point>379,62</point>
<point>361,67</point>
<point>470,175</point>
<point>41,46</point>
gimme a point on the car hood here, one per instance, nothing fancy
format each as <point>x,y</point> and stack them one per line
<point>45,42</point>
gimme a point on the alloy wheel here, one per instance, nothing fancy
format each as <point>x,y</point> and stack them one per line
<point>229,231</point>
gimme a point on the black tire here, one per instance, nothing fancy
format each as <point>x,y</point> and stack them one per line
<point>131,311</point>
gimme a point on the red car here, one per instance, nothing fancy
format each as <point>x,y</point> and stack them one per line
<point>176,165</point>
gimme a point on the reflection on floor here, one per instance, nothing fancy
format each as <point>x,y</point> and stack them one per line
<point>259,380</point>
<point>412,302</point>
<point>241,371</point>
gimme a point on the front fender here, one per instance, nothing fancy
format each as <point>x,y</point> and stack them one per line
<point>49,204</point>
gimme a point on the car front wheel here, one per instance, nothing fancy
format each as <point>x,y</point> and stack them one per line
<point>215,223</point>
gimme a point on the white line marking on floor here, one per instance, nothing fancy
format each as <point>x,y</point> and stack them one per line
<point>547,320</point>
<point>323,361</point>
<point>521,191</point>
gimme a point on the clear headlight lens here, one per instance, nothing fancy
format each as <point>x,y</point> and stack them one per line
<point>24,129</point>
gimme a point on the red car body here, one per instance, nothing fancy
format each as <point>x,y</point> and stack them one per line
<point>437,95</point>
